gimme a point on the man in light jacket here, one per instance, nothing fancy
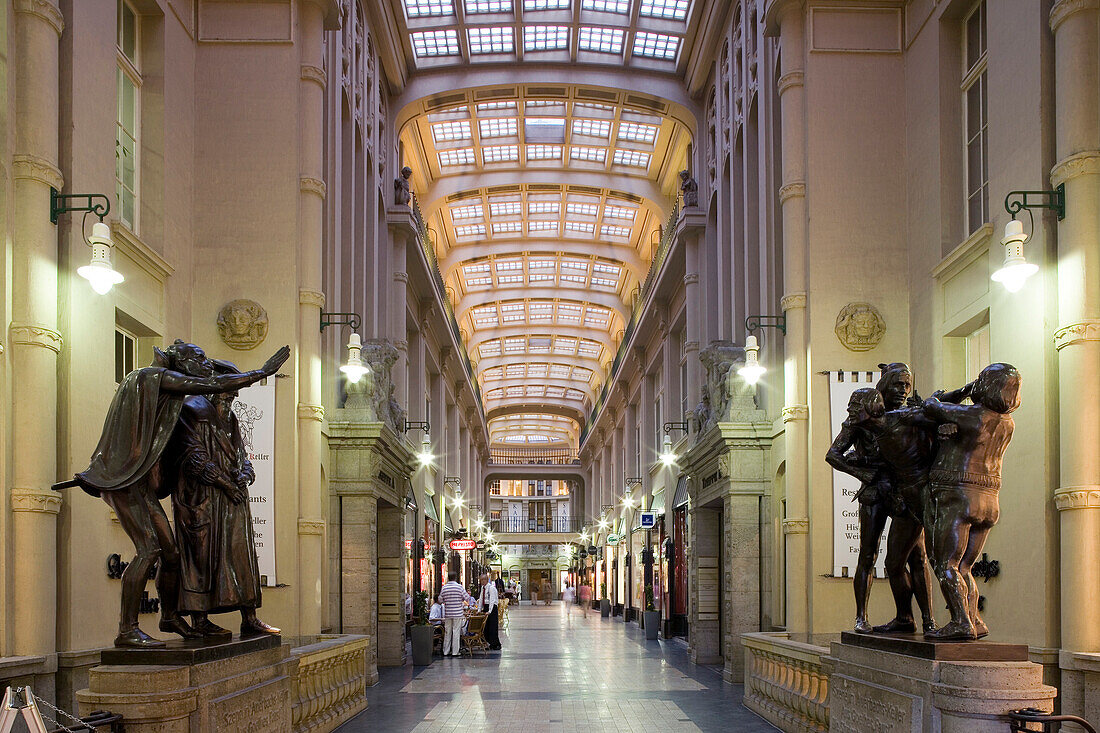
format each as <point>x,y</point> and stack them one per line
<point>487,602</point>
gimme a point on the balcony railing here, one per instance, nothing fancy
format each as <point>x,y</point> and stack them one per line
<point>545,524</point>
<point>533,456</point>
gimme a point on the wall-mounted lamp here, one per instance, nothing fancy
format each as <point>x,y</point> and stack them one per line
<point>753,369</point>
<point>425,455</point>
<point>1016,269</point>
<point>354,368</point>
<point>667,455</point>
<point>99,272</point>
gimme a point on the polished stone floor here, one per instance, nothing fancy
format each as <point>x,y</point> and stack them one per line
<point>559,672</point>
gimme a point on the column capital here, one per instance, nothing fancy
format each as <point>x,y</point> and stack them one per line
<point>790,80</point>
<point>315,186</point>
<point>307,411</point>
<point>37,168</point>
<point>1076,333</point>
<point>790,301</point>
<point>44,10</point>
<point>311,526</point>
<point>795,412</point>
<point>1077,497</point>
<point>796,525</point>
<point>307,296</point>
<point>1087,162</point>
<point>794,189</point>
<point>691,278</point>
<point>401,277</point>
<point>314,74</point>
<point>691,346</point>
<point>1063,9</point>
<point>35,500</point>
<point>30,334</point>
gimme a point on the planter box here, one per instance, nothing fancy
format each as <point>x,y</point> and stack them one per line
<point>605,608</point>
<point>652,622</point>
<point>422,645</point>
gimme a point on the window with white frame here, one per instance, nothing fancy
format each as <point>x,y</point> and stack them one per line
<point>975,114</point>
<point>128,76</point>
<point>125,353</point>
<point>976,352</point>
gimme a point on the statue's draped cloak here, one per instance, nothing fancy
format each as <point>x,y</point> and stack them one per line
<point>139,425</point>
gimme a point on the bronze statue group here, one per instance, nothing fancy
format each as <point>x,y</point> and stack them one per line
<point>934,467</point>
<point>171,431</point>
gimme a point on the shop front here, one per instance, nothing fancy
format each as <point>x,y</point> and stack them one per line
<point>676,558</point>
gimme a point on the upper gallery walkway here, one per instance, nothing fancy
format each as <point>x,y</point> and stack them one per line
<point>559,673</point>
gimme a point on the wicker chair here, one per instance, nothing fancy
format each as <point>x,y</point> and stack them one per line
<point>474,638</point>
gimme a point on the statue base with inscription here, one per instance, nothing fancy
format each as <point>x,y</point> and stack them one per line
<point>241,685</point>
<point>889,683</point>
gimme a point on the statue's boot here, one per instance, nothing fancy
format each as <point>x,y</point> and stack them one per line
<point>135,638</point>
<point>980,629</point>
<point>952,631</point>
<point>897,626</point>
<point>863,626</point>
<point>252,626</point>
<point>208,629</point>
<point>177,625</point>
<point>929,624</point>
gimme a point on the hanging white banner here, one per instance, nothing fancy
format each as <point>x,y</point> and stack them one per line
<point>255,410</point>
<point>845,486</point>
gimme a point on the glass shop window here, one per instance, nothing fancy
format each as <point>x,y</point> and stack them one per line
<point>976,115</point>
<point>125,353</point>
<point>128,76</point>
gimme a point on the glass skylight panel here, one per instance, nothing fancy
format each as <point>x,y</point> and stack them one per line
<point>488,6</point>
<point>575,265</point>
<point>556,392</point>
<point>497,126</point>
<point>574,394</point>
<point>582,209</point>
<point>539,345</point>
<point>435,43</point>
<point>637,133</point>
<point>490,374</point>
<point>607,6</point>
<point>480,281</point>
<point>559,370</point>
<point>537,370</point>
<point>579,279</point>
<point>470,230</point>
<point>444,132</point>
<point>570,313</point>
<point>424,8</point>
<point>542,226</point>
<point>579,227</point>
<point>490,39</point>
<point>565,345</point>
<point>592,108</point>
<point>582,152</point>
<point>540,277</point>
<point>607,230</point>
<point>489,348</point>
<point>632,158</point>
<point>613,211</point>
<point>506,227</point>
<point>596,317</point>
<point>460,156</point>
<point>514,346</point>
<point>541,106</point>
<point>469,211</point>
<point>505,208</point>
<point>515,370</point>
<point>603,282</point>
<point>601,40</point>
<point>656,45</point>
<point>509,265</point>
<point>500,153</point>
<point>606,268</point>
<point>545,37</point>
<point>546,4</point>
<point>592,128</point>
<point>544,129</point>
<point>671,9</point>
<point>544,152</point>
<point>589,348</point>
<point>543,207</point>
<point>514,391</point>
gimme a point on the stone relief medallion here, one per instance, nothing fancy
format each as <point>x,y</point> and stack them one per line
<point>860,327</point>
<point>242,324</point>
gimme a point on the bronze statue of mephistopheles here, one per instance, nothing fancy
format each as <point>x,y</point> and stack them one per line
<point>125,470</point>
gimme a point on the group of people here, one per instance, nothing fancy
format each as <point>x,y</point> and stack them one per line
<point>571,594</point>
<point>934,467</point>
<point>450,607</point>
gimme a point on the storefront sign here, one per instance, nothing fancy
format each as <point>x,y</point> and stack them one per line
<point>649,520</point>
<point>457,545</point>
<point>613,539</point>
<point>845,486</point>
<point>255,410</point>
<point>408,544</point>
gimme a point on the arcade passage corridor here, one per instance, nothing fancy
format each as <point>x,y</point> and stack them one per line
<point>559,673</point>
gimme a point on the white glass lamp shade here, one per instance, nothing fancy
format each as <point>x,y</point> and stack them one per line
<point>99,272</point>
<point>752,371</point>
<point>1016,269</point>
<point>354,369</point>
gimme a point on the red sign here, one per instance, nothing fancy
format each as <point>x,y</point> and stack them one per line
<point>408,544</point>
<point>463,545</point>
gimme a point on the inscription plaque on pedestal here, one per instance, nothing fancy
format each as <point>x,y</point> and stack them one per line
<point>862,707</point>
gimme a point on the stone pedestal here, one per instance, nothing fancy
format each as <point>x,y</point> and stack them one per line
<point>903,683</point>
<point>236,687</point>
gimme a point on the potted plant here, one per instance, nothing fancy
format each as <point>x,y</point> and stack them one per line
<point>605,603</point>
<point>652,617</point>
<point>422,631</point>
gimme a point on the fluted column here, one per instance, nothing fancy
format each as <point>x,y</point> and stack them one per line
<point>33,338</point>
<point>403,233</point>
<point>311,525</point>
<point>1077,340</point>
<point>692,229</point>
<point>790,17</point>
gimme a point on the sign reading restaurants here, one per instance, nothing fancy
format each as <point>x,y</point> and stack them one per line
<point>255,411</point>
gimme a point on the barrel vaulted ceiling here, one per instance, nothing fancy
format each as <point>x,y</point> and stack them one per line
<point>545,202</point>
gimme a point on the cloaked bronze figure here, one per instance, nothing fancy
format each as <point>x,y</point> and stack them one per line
<point>126,471</point>
<point>965,482</point>
<point>884,444</point>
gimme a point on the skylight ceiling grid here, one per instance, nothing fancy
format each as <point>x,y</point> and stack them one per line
<point>451,131</point>
<point>546,4</point>
<point>490,39</point>
<point>667,9</point>
<point>422,8</point>
<point>545,37</point>
<point>497,127</point>
<point>601,40</point>
<point>656,45</point>
<point>427,44</point>
<point>488,6</point>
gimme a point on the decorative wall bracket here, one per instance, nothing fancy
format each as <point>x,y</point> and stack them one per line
<point>1054,200</point>
<point>670,426</point>
<point>755,323</point>
<point>59,204</point>
<point>341,319</point>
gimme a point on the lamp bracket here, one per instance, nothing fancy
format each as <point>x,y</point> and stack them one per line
<point>670,426</point>
<point>341,319</point>
<point>59,206</point>
<point>634,481</point>
<point>1017,201</point>
<point>755,323</point>
<point>456,480</point>
<point>421,425</point>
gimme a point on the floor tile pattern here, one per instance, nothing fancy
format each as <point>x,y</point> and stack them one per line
<point>559,672</point>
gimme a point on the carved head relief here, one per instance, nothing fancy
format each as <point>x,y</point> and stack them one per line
<point>242,324</point>
<point>860,327</point>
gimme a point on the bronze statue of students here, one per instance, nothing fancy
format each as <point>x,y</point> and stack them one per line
<point>890,455</point>
<point>219,569</point>
<point>965,482</point>
<point>126,472</point>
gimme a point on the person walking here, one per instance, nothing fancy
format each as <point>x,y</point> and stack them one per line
<point>487,602</point>
<point>454,596</point>
<point>586,598</point>
<point>544,592</point>
<point>567,597</point>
